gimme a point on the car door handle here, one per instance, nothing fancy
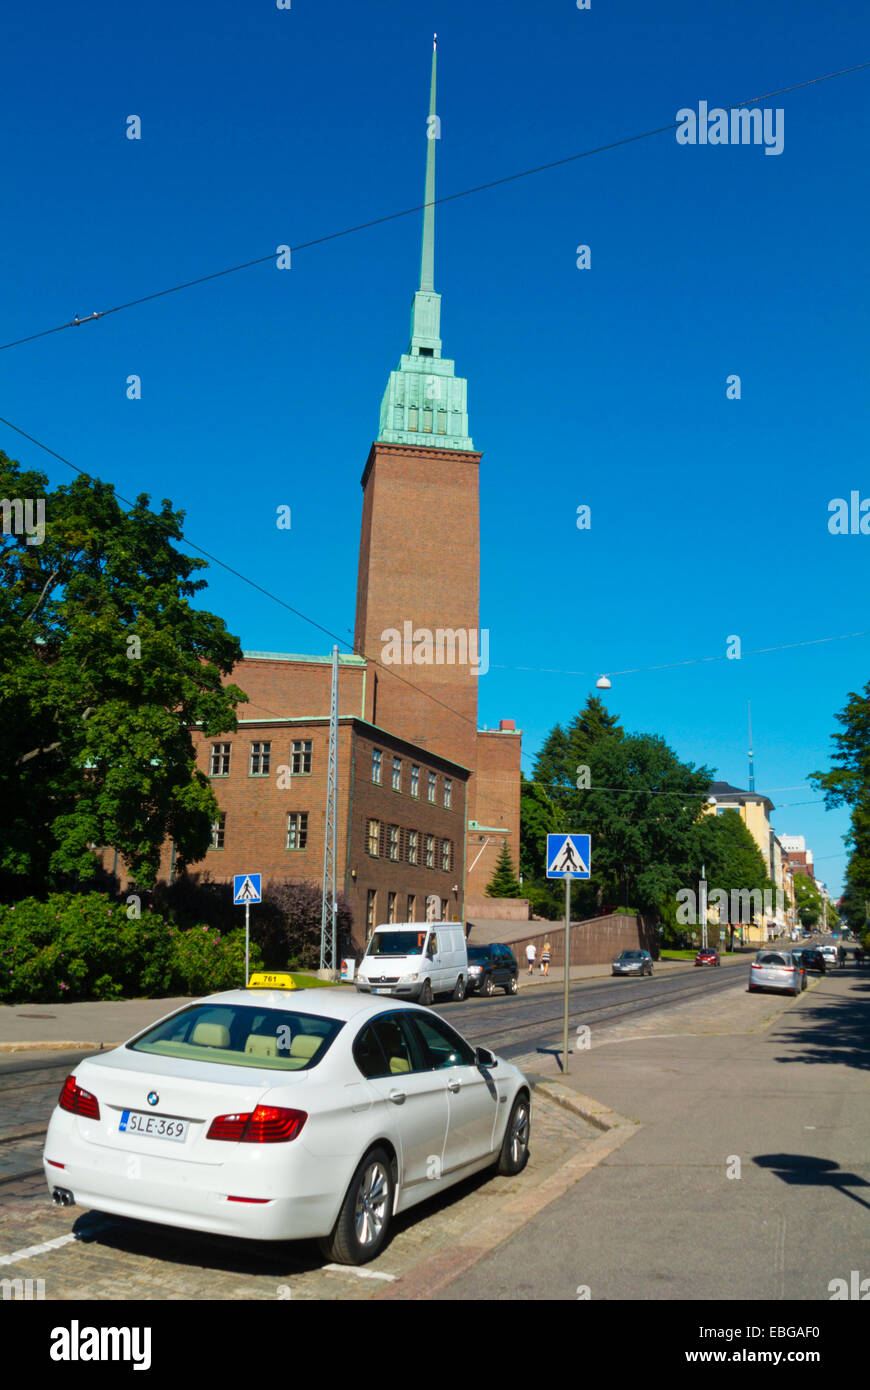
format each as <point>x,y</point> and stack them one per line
<point>397,1097</point>
<point>454,1085</point>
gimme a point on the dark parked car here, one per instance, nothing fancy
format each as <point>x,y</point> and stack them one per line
<point>811,959</point>
<point>491,967</point>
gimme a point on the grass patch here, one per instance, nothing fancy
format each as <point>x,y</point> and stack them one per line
<point>689,953</point>
<point>303,981</point>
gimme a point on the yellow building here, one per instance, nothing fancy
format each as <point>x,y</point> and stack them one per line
<point>754,810</point>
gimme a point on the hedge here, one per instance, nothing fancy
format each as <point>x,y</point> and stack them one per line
<point>84,946</point>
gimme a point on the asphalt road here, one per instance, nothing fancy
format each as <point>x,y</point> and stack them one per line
<point>513,1025</point>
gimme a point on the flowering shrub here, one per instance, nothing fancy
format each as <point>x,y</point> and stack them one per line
<point>83,946</point>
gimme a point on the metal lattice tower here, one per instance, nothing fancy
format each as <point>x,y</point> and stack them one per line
<point>329,908</point>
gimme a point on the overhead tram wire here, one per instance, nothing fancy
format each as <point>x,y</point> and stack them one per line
<point>419,207</point>
<point>267,593</point>
<point>343,641</point>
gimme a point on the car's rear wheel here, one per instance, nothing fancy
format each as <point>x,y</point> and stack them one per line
<point>515,1145</point>
<point>459,990</point>
<point>488,988</point>
<point>361,1230</point>
<point>512,986</point>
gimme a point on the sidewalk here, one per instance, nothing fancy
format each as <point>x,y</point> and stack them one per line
<point>55,1027</point>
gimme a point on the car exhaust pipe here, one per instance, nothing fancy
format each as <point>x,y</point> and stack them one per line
<point>62,1197</point>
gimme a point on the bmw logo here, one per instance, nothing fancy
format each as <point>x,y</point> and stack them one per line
<point>153,1098</point>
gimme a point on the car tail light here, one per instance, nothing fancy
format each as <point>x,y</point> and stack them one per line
<point>230,1128</point>
<point>78,1101</point>
<point>268,1124</point>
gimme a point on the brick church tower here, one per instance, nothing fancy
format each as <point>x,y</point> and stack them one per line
<point>419,562</point>
<point>418,587</point>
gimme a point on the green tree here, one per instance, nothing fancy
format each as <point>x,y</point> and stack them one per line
<point>538,816</point>
<point>639,802</point>
<point>105,664</point>
<point>504,882</point>
<point>848,783</point>
<point>808,900</point>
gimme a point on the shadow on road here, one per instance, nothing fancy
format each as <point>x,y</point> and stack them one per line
<point>802,1170</point>
<point>834,1028</point>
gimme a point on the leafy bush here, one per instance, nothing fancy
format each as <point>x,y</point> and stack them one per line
<point>84,946</point>
<point>287,924</point>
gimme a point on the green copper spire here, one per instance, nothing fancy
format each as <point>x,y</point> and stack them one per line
<point>425,403</point>
<point>427,260</point>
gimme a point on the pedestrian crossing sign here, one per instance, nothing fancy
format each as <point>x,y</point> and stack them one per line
<point>246,889</point>
<point>569,854</point>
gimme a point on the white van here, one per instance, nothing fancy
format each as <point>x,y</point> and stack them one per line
<point>415,960</point>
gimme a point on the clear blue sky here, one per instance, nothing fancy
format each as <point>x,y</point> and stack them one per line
<point>604,387</point>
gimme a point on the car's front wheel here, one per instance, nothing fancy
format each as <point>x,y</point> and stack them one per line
<point>360,1232</point>
<point>426,993</point>
<point>515,1145</point>
<point>459,990</point>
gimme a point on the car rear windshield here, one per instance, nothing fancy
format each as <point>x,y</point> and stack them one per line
<point>242,1035</point>
<point>771,959</point>
<point>396,943</point>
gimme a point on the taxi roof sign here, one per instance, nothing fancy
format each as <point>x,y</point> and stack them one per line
<point>272,979</point>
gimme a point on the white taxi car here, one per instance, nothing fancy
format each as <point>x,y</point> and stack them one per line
<point>277,1116</point>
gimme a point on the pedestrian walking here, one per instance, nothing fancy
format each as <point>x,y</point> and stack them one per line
<point>841,957</point>
<point>531,952</point>
<point>545,957</point>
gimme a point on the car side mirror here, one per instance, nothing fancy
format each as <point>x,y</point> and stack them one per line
<point>484,1058</point>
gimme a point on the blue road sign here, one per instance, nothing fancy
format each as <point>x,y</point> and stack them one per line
<point>246,889</point>
<point>569,854</point>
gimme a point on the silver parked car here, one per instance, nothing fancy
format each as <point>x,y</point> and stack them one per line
<point>777,970</point>
<point>632,963</point>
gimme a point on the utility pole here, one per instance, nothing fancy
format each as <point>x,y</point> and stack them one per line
<point>329,906</point>
<point>568,882</point>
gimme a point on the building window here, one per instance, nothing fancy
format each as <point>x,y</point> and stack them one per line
<point>412,417</point>
<point>415,780</point>
<point>412,907</point>
<point>427,421</point>
<point>442,421</point>
<point>374,838</point>
<point>393,842</point>
<point>219,830</point>
<point>448,791</point>
<point>220,759</point>
<point>376,765</point>
<point>261,755</point>
<point>391,907</point>
<point>413,841</point>
<point>430,851</point>
<point>431,786</point>
<point>371,900</point>
<point>301,762</point>
<point>397,774</point>
<point>297,830</point>
<point>446,855</point>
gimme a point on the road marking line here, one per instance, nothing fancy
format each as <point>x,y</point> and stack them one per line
<point>360,1273</point>
<point>36,1250</point>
